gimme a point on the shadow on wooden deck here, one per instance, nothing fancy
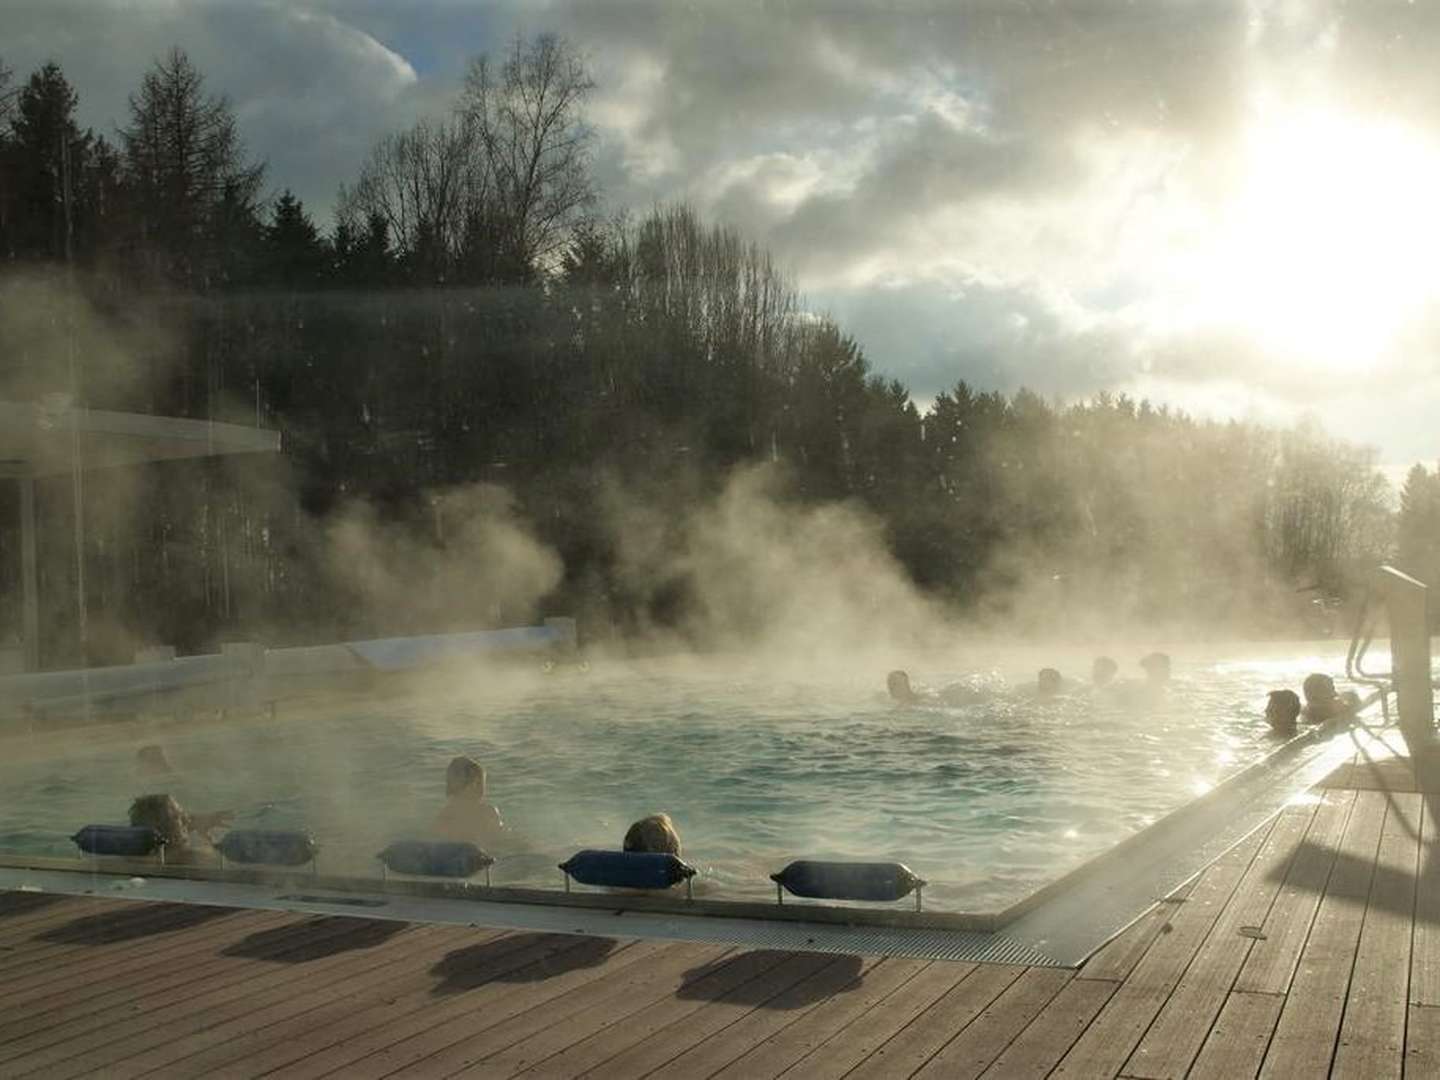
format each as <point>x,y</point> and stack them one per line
<point>111,927</point>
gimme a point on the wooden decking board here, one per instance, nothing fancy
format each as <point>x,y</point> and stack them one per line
<point>531,1036</point>
<point>1180,1028</point>
<point>1422,1043</point>
<point>1372,1034</point>
<point>1425,957</point>
<point>985,1038</point>
<point>730,1042</point>
<point>177,1013</point>
<point>77,1016</point>
<point>1117,958</point>
<point>448,1016</point>
<point>657,1050</point>
<point>309,1045</point>
<point>120,982</point>
<point>1117,1030</point>
<point>1237,1043</point>
<point>600,1047</point>
<point>29,910</point>
<point>34,941</point>
<point>1046,1039</point>
<point>303,993</point>
<point>1304,1040</point>
<point>918,1041</point>
<point>787,1046</point>
<point>1273,959</point>
<point>838,1055</point>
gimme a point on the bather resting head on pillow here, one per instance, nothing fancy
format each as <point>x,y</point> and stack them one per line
<point>656,834</point>
<point>185,834</point>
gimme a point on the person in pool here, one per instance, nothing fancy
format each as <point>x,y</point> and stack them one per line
<point>1103,671</point>
<point>188,837</point>
<point>1281,711</point>
<point>898,685</point>
<point>655,833</point>
<point>1322,703</point>
<point>151,761</point>
<point>467,815</point>
<point>1157,669</point>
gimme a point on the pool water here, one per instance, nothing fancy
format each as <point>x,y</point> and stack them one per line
<point>987,801</point>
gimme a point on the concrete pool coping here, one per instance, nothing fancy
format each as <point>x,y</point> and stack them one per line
<point>1059,924</point>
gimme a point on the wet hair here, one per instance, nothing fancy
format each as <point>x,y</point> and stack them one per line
<point>1103,670</point>
<point>898,683</point>
<point>152,760</point>
<point>1156,665</point>
<point>163,814</point>
<point>655,833</point>
<point>1049,681</point>
<point>1318,689</point>
<point>465,774</point>
<point>1282,709</point>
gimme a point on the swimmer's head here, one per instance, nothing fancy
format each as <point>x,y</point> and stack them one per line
<point>1048,682</point>
<point>898,683</point>
<point>163,814</point>
<point>1281,711</point>
<point>1103,671</point>
<point>465,775</point>
<point>656,833</point>
<point>152,761</point>
<point>1157,667</point>
<point>1319,689</point>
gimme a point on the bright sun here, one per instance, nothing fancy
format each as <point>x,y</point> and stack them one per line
<point>1329,247</point>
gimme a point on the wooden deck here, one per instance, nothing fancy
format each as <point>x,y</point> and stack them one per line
<point>1311,949</point>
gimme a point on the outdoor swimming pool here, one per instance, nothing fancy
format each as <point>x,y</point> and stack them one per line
<point>986,801</point>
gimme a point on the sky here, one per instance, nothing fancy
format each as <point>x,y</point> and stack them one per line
<point>1232,208</point>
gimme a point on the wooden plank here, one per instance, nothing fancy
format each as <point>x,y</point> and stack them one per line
<point>1372,1034</point>
<point>664,1046</point>
<point>789,1045</point>
<point>1425,956</point>
<point>867,1033</point>
<point>1049,1037</point>
<point>600,1047</point>
<point>345,1030</point>
<point>74,1013</point>
<point>1117,1030</point>
<point>1237,1043</point>
<point>78,1014</point>
<point>1422,1042</point>
<point>972,1051</point>
<point>1118,957</point>
<point>924,1036</point>
<point>69,982</point>
<point>307,967</point>
<point>502,1049</point>
<point>726,1045</point>
<point>418,1033</point>
<point>1180,1028</point>
<point>1272,961</point>
<point>1304,1040</point>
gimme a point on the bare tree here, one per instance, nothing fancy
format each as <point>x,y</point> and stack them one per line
<point>7,94</point>
<point>427,184</point>
<point>529,117</point>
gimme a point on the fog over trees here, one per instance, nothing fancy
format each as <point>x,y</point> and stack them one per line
<point>473,316</point>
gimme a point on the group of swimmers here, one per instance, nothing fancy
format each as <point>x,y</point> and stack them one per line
<point>1049,683</point>
<point>1322,704</point>
<point>467,815</point>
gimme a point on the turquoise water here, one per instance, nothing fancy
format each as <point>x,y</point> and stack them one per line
<point>987,801</point>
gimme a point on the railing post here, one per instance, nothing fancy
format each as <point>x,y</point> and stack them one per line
<point>1407,606</point>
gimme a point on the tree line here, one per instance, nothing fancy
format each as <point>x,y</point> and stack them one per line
<point>470,316</point>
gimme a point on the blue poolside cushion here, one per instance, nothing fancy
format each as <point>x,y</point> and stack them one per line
<point>627,869</point>
<point>435,858</point>
<point>118,840</point>
<point>848,880</point>
<point>277,848</point>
